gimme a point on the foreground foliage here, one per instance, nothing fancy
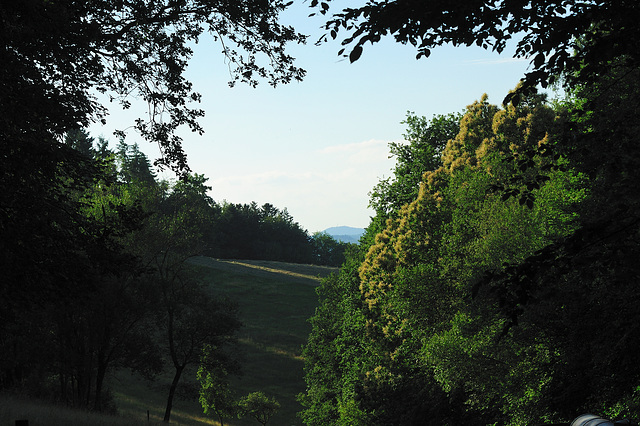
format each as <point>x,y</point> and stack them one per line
<point>132,299</point>
<point>56,55</point>
<point>505,291</point>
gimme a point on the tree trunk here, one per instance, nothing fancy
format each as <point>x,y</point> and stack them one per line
<point>172,391</point>
<point>102,370</point>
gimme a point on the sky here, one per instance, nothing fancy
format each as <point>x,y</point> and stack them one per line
<point>318,147</point>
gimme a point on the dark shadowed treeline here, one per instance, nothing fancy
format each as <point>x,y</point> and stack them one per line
<point>249,231</point>
<point>104,283</point>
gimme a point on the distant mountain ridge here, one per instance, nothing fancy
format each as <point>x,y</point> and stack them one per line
<point>345,234</point>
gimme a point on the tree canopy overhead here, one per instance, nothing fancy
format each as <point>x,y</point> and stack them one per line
<point>559,36</point>
<point>56,54</point>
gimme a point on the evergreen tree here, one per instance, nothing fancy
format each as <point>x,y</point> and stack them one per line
<point>81,141</point>
<point>134,165</point>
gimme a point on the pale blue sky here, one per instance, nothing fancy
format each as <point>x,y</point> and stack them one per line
<point>318,147</point>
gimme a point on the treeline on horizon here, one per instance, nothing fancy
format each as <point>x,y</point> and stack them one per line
<point>226,230</point>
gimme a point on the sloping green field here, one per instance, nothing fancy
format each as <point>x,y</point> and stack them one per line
<point>275,299</point>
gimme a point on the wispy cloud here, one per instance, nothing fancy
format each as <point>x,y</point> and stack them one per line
<point>322,188</point>
<point>367,152</point>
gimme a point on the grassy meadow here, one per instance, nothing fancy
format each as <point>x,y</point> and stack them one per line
<point>276,299</point>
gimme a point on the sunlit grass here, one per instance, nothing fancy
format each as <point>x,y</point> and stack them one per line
<point>272,349</point>
<point>283,269</point>
<point>289,269</point>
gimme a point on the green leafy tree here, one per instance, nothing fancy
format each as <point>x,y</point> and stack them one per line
<point>595,275</point>
<point>189,320</point>
<point>216,396</point>
<point>429,351</point>
<point>327,250</point>
<point>418,278</point>
<point>188,199</point>
<point>259,406</point>
<point>427,140</point>
<point>521,243</point>
<point>193,322</point>
<point>335,360</point>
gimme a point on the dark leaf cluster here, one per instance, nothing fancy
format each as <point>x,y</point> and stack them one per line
<point>55,55</point>
<point>558,36</point>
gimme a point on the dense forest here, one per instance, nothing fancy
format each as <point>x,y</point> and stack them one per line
<point>496,284</point>
<point>223,230</point>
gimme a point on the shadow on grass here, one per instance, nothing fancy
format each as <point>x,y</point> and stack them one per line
<point>39,413</point>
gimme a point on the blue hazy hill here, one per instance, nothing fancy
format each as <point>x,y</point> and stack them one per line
<point>346,234</point>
